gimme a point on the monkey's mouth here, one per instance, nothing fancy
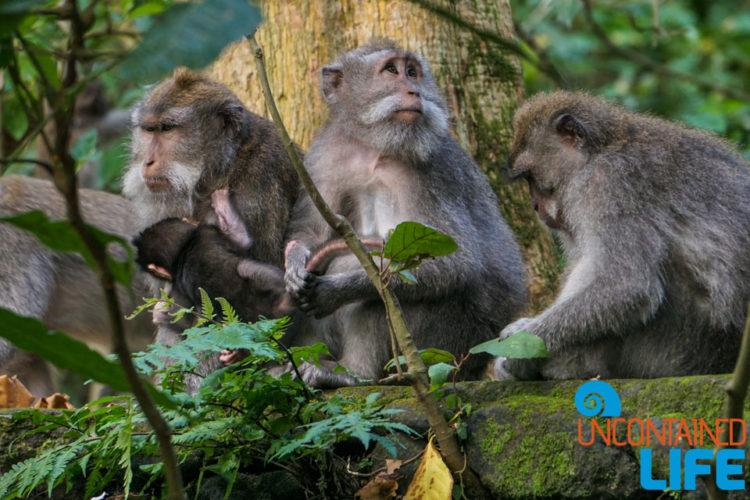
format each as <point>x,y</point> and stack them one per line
<point>157,183</point>
<point>408,115</point>
<point>408,110</point>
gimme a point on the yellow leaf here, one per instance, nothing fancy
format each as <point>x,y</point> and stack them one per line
<point>432,480</point>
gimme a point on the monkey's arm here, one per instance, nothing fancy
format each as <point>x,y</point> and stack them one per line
<point>615,282</point>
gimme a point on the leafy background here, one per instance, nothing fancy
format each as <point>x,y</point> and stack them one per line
<point>681,59</point>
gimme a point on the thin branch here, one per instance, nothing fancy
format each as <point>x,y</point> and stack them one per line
<point>46,165</point>
<point>736,390</point>
<point>417,371</point>
<point>545,63</point>
<point>64,177</point>
<point>640,59</point>
<point>493,37</point>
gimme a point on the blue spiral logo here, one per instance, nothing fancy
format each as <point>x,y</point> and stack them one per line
<point>597,398</point>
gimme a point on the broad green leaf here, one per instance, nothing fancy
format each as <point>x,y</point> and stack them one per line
<point>439,374</point>
<point>429,356</point>
<point>189,34</point>
<point>12,12</point>
<point>519,345</point>
<point>432,356</point>
<point>60,236</point>
<point>15,120</point>
<point>148,8</point>
<point>414,240</point>
<point>85,148</point>
<point>61,350</point>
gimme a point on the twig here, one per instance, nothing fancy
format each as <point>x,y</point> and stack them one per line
<point>654,66</point>
<point>736,390</point>
<point>65,181</point>
<point>377,471</point>
<point>494,37</point>
<point>417,371</point>
<point>46,165</point>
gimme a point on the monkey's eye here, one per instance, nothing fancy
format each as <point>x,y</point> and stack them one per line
<point>391,68</point>
<point>411,72</point>
<point>167,126</point>
<point>150,128</point>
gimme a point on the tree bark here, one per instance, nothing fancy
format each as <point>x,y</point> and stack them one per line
<point>481,82</point>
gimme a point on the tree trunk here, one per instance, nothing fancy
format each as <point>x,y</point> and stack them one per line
<point>481,83</point>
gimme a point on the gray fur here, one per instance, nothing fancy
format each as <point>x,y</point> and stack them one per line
<point>655,224</point>
<point>58,288</point>
<point>378,174</point>
<point>213,143</point>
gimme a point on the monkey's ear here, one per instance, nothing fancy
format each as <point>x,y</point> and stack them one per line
<point>232,113</point>
<point>571,129</point>
<point>332,76</point>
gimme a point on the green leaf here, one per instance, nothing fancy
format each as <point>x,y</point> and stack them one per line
<point>61,350</point>
<point>433,356</point>
<point>12,12</point>
<point>30,334</point>
<point>189,34</point>
<point>85,148</point>
<point>519,345</point>
<point>407,277</point>
<point>412,240</point>
<point>60,236</point>
<point>439,374</point>
<point>207,305</point>
<point>15,120</point>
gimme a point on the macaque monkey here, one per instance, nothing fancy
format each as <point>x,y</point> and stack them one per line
<point>59,288</point>
<point>212,257</point>
<point>191,137</point>
<point>386,156</point>
<point>654,219</point>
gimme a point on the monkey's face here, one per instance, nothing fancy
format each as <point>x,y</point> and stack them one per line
<point>388,100</point>
<point>185,125</point>
<point>159,245</point>
<point>548,157</point>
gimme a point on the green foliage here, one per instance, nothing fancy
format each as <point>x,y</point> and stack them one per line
<point>698,49</point>
<point>411,243</point>
<point>241,418</point>
<point>165,45</point>
<point>31,335</point>
<point>519,345</point>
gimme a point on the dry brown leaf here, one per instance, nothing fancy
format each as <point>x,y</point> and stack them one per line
<point>55,401</point>
<point>433,480</point>
<point>392,466</point>
<point>13,394</point>
<point>378,488</point>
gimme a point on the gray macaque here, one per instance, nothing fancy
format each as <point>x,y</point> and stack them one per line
<point>191,137</point>
<point>386,156</point>
<point>59,288</point>
<point>654,219</point>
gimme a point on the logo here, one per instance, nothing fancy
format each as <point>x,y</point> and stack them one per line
<point>597,399</point>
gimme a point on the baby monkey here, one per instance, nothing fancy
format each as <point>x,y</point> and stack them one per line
<point>214,257</point>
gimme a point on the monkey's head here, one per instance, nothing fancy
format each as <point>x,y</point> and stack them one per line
<point>386,97</point>
<point>159,245</point>
<point>555,136</point>
<point>184,126</point>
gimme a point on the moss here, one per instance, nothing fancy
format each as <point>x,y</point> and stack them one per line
<point>496,61</point>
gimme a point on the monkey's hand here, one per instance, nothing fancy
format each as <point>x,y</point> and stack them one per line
<point>526,324</point>
<point>231,356</point>
<point>324,295</point>
<point>299,282</point>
